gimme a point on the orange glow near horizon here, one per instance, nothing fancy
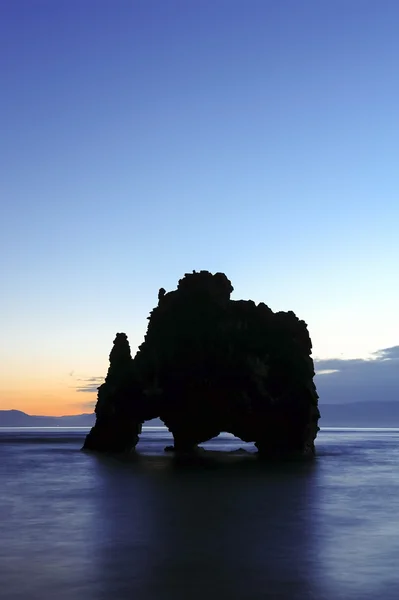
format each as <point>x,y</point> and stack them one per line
<point>47,401</point>
<point>45,385</point>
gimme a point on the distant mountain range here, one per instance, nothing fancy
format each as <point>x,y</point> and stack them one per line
<point>354,414</point>
<point>17,418</point>
<point>379,413</point>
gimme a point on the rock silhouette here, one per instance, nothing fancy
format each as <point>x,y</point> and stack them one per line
<point>210,364</point>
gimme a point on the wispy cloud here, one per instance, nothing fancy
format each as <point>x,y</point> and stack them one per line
<point>340,381</point>
<point>327,371</point>
<point>89,384</point>
<point>388,353</point>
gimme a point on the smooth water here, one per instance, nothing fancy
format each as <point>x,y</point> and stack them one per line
<point>75,525</point>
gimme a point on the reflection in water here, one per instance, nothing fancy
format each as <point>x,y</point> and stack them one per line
<point>79,526</point>
<point>235,532</point>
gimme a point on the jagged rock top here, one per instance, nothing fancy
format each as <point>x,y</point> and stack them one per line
<point>211,364</point>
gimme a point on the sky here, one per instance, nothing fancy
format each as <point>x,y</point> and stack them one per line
<point>143,139</point>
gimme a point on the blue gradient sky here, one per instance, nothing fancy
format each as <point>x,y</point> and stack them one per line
<point>144,139</point>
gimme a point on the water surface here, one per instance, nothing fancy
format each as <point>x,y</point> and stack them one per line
<point>75,525</point>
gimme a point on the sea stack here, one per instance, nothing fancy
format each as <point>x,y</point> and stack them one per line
<point>209,364</point>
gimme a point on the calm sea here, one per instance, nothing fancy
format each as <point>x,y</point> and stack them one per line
<point>78,526</point>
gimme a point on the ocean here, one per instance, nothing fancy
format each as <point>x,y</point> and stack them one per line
<point>81,526</point>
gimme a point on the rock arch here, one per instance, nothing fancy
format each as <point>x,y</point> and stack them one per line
<point>209,364</point>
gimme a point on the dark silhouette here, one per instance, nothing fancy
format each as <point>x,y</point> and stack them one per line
<point>119,414</point>
<point>210,364</point>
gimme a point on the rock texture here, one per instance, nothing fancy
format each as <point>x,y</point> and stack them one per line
<point>210,364</point>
